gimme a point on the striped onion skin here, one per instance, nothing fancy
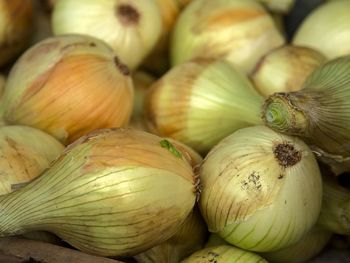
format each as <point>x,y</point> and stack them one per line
<point>132,28</point>
<point>189,238</point>
<point>114,192</point>
<point>68,86</point>
<point>309,246</point>
<point>319,112</point>
<point>240,32</point>
<point>200,102</point>
<point>25,152</point>
<point>223,254</point>
<point>261,190</point>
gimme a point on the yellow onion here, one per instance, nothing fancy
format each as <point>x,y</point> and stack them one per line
<point>16,21</point>
<point>279,6</point>
<point>67,86</point>
<point>25,153</point>
<point>326,29</point>
<point>200,102</point>
<point>261,190</point>
<point>188,239</point>
<point>319,112</point>
<point>113,192</point>
<point>240,32</point>
<point>335,212</point>
<point>223,254</point>
<point>279,22</point>
<point>131,28</point>
<point>308,247</point>
<point>142,82</point>
<point>285,69</point>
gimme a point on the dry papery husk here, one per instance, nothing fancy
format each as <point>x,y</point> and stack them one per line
<point>200,102</point>
<point>25,153</point>
<point>285,69</point>
<point>132,28</point>
<point>113,192</point>
<point>261,190</point>
<point>67,86</point>
<point>326,29</point>
<point>240,32</point>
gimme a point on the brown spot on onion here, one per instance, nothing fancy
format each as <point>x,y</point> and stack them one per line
<point>127,14</point>
<point>286,154</point>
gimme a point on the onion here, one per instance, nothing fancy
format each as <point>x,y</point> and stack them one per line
<point>68,86</point>
<point>285,69</point>
<point>319,112</point>
<point>261,190</point>
<point>326,29</point>
<point>188,239</point>
<point>113,192</point>
<point>308,247</point>
<point>200,102</point>
<point>132,28</point>
<point>240,32</point>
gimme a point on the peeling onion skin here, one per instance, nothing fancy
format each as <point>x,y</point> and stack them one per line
<point>113,192</point>
<point>261,190</point>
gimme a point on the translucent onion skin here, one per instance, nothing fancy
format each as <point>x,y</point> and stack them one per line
<point>326,29</point>
<point>240,32</point>
<point>261,190</point>
<point>188,239</point>
<point>319,112</point>
<point>132,28</point>
<point>114,192</point>
<point>285,69</point>
<point>25,153</point>
<point>200,102</point>
<point>223,254</point>
<point>16,27</point>
<point>68,86</point>
<point>308,247</point>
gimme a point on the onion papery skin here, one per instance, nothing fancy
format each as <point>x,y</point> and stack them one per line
<point>240,32</point>
<point>326,29</point>
<point>261,190</point>
<point>285,69</point>
<point>132,28</point>
<point>308,247</point>
<point>68,86</point>
<point>200,102</point>
<point>319,112</point>
<point>113,192</point>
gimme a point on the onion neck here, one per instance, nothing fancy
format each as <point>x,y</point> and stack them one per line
<point>280,114</point>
